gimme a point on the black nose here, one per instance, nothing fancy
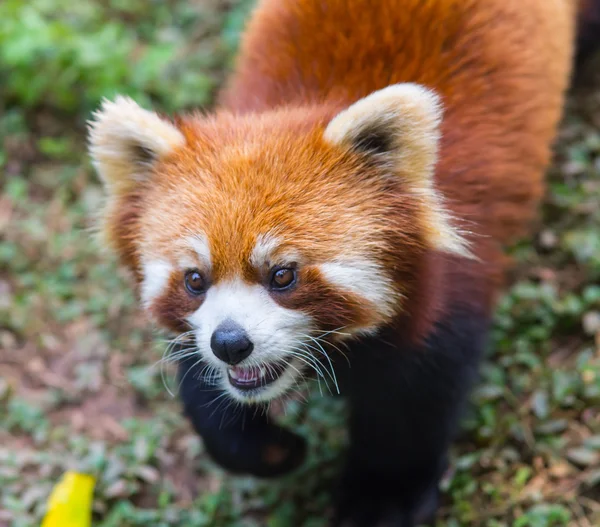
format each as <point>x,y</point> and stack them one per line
<point>230,343</point>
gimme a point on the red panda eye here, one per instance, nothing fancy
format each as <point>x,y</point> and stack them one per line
<point>195,283</point>
<point>283,278</point>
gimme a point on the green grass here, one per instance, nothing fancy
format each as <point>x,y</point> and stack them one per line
<point>77,386</point>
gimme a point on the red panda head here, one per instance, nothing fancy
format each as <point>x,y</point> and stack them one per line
<point>260,233</point>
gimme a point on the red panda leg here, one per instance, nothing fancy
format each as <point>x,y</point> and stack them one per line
<point>240,438</point>
<point>405,407</point>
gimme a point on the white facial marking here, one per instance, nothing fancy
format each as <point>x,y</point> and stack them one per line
<point>366,279</point>
<point>275,331</point>
<point>199,243</point>
<point>263,249</point>
<point>156,277</point>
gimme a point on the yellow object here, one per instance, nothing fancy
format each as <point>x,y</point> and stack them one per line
<point>70,502</point>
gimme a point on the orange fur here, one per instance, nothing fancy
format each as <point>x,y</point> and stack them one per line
<point>500,66</point>
<point>262,166</point>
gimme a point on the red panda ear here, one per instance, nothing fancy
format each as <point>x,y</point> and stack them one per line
<point>125,140</point>
<point>399,126</point>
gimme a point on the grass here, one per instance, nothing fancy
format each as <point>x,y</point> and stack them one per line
<point>77,386</point>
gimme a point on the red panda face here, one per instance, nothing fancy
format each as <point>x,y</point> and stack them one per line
<point>265,235</point>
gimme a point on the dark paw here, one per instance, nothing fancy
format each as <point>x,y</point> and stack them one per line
<point>372,500</point>
<point>371,512</point>
<point>266,453</point>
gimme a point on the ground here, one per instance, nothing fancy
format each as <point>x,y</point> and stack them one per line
<point>81,382</point>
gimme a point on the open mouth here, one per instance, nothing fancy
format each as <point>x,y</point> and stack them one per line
<point>252,377</point>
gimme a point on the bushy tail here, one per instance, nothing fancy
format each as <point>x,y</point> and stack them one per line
<point>588,32</point>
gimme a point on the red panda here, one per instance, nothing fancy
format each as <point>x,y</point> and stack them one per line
<point>366,165</point>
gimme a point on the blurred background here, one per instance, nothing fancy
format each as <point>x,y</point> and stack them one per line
<point>80,382</point>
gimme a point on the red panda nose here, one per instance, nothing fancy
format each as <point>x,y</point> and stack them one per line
<point>230,342</point>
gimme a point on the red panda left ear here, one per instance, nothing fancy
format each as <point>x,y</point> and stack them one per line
<point>399,126</point>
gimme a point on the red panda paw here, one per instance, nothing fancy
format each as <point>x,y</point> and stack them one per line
<point>378,514</point>
<point>371,504</point>
<point>266,452</point>
<point>369,517</point>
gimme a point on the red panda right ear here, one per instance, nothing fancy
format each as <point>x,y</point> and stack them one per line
<point>125,140</point>
<point>398,124</point>
<point>399,127</point>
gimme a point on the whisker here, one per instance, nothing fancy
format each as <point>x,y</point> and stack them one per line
<point>199,361</point>
<point>177,355</point>
<point>179,337</point>
<point>213,401</point>
<point>312,361</point>
<point>321,350</point>
<point>333,375</point>
<point>335,332</point>
<point>307,358</point>
<point>335,347</point>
